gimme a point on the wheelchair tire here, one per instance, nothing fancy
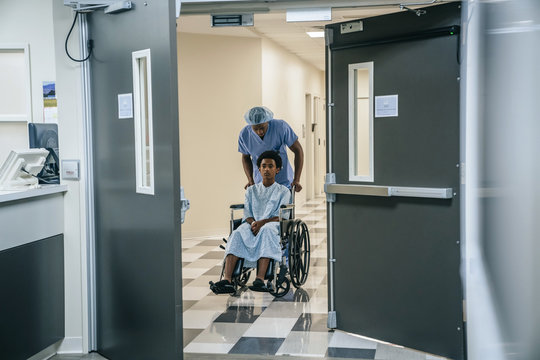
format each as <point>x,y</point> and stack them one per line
<point>299,253</point>
<point>282,289</point>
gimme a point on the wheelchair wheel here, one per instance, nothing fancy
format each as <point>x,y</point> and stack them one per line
<point>299,253</point>
<point>282,289</point>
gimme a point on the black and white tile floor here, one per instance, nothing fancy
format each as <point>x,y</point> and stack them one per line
<point>257,326</point>
<point>257,323</point>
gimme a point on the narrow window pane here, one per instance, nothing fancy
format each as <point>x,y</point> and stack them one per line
<point>361,122</point>
<point>143,121</point>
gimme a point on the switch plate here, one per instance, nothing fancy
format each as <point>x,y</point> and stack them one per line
<point>70,169</point>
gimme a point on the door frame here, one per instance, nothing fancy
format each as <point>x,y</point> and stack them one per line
<point>89,308</point>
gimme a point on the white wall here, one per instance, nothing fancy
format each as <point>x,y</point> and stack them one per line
<point>220,78</point>
<point>32,21</point>
<point>20,25</point>
<point>70,132</point>
<point>286,79</point>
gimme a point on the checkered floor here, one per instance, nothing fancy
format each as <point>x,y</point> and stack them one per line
<point>257,323</point>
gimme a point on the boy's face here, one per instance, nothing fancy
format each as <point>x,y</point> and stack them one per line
<point>268,169</point>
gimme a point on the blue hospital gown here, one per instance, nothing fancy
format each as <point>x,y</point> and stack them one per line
<point>261,203</point>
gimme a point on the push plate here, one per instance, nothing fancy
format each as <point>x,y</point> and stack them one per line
<point>352,27</point>
<point>70,169</point>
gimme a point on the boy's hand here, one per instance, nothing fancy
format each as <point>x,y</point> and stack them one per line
<point>256,226</point>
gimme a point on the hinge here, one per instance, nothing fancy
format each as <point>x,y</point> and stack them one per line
<point>184,205</point>
<point>329,37</point>
<point>464,310</point>
<point>332,320</point>
<point>330,178</point>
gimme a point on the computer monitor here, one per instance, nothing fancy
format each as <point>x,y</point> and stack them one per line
<point>46,136</point>
<point>20,170</point>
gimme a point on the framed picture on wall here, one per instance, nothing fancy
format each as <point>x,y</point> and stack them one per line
<point>15,89</point>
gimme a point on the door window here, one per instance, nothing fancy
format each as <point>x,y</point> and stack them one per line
<point>144,143</point>
<point>361,122</point>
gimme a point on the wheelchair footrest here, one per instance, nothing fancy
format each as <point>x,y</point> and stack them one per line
<point>222,287</point>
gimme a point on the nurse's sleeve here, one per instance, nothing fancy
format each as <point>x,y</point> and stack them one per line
<point>242,147</point>
<point>288,135</point>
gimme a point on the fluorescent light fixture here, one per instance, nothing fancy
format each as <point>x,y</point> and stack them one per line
<point>315,34</point>
<point>312,14</point>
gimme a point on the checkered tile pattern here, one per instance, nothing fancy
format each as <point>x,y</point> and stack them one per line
<point>257,323</point>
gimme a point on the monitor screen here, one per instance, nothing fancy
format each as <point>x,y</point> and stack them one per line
<point>46,136</point>
<point>20,170</point>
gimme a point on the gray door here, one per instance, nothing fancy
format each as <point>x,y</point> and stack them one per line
<point>396,275</point>
<point>138,260</point>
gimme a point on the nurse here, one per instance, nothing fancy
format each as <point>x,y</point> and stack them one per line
<point>263,133</point>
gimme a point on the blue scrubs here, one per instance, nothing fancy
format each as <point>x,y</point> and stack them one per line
<point>278,137</point>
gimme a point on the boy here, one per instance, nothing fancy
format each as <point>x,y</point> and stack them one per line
<point>258,238</point>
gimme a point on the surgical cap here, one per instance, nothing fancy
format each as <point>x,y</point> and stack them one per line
<point>258,115</point>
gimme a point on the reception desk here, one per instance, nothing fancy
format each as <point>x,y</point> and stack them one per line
<point>31,270</point>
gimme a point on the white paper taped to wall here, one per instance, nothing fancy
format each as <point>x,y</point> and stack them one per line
<point>386,106</point>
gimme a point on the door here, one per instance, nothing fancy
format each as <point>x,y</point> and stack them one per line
<point>137,182</point>
<point>394,228</point>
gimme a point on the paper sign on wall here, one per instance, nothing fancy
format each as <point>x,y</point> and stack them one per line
<point>386,106</point>
<point>125,106</point>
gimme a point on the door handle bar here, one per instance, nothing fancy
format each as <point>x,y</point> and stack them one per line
<point>387,191</point>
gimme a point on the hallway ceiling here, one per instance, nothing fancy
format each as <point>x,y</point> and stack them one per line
<point>273,26</point>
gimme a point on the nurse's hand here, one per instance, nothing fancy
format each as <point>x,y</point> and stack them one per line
<point>250,182</point>
<point>297,186</point>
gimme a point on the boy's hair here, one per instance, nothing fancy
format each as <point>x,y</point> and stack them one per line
<point>270,154</point>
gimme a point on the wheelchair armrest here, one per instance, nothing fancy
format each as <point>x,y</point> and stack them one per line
<point>237,206</point>
<point>287,207</point>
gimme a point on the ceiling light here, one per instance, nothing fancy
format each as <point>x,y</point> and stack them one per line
<point>309,14</point>
<point>315,34</point>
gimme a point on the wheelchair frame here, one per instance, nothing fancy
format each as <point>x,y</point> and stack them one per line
<point>295,248</point>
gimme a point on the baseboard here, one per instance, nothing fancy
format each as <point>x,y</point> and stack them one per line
<point>71,345</point>
<point>47,353</point>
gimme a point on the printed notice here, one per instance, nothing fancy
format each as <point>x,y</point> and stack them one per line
<point>125,106</point>
<point>386,106</point>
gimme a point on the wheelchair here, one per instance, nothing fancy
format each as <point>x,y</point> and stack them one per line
<point>295,249</point>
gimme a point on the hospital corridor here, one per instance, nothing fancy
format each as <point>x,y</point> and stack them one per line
<point>269,179</point>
